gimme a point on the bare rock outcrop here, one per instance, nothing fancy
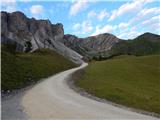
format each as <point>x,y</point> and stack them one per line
<point>21,30</point>
<point>91,46</point>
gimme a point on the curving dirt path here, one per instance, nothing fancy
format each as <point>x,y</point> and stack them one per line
<point>53,99</point>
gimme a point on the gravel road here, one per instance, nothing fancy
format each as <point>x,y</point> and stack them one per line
<point>54,99</point>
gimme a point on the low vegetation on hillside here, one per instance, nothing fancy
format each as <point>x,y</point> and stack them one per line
<point>21,69</point>
<point>137,47</point>
<point>145,44</point>
<point>128,80</point>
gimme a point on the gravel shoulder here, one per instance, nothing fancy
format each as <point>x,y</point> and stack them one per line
<point>11,108</point>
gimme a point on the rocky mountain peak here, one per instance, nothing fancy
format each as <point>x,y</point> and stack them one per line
<point>90,46</point>
<point>21,30</point>
<point>149,36</point>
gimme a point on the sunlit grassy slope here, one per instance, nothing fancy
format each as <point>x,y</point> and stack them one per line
<point>131,81</point>
<point>20,70</point>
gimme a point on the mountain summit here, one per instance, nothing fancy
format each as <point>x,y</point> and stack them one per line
<point>31,34</point>
<point>91,46</point>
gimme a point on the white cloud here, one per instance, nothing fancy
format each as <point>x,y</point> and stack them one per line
<point>151,25</point>
<point>100,16</point>
<point>129,35</point>
<point>144,19</point>
<point>145,13</point>
<point>8,5</point>
<point>83,28</point>
<point>123,25</point>
<point>7,2</point>
<point>133,6</point>
<point>36,9</point>
<point>92,14</point>
<point>151,21</point>
<point>155,27</point>
<point>104,29</point>
<point>147,25</point>
<point>25,1</point>
<point>86,27</point>
<point>77,26</point>
<point>77,6</point>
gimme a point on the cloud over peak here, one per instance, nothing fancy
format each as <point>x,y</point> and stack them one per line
<point>8,5</point>
<point>77,6</point>
<point>104,29</point>
<point>83,28</point>
<point>133,6</point>
<point>36,9</point>
<point>99,15</point>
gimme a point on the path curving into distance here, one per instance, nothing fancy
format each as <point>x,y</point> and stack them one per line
<point>54,99</point>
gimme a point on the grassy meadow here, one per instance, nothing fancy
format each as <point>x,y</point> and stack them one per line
<point>131,81</point>
<point>21,69</point>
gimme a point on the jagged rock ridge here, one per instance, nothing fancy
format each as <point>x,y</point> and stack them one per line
<point>17,28</point>
<point>90,46</point>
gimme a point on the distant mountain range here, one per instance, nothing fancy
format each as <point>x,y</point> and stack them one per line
<point>106,45</point>
<point>30,34</point>
<point>144,44</point>
<point>90,46</point>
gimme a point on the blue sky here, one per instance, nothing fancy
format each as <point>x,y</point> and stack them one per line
<point>125,19</point>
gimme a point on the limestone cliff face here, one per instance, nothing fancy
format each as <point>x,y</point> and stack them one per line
<point>17,28</point>
<point>91,46</point>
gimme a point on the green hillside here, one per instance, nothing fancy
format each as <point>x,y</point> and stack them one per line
<point>137,47</point>
<point>146,44</point>
<point>131,81</point>
<point>22,69</point>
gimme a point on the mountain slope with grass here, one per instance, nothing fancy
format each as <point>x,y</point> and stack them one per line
<point>22,69</point>
<point>130,81</point>
<point>144,44</point>
<point>106,45</point>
